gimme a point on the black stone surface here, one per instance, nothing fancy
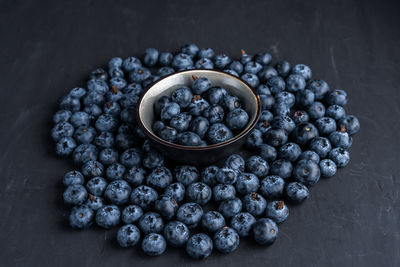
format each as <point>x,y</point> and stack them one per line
<point>48,47</point>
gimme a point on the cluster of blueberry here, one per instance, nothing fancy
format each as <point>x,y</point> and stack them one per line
<point>303,134</point>
<point>191,117</point>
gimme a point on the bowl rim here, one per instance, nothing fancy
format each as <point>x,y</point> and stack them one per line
<point>157,139</point>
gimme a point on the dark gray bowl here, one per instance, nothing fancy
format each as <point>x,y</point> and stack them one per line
<point>205,154</point>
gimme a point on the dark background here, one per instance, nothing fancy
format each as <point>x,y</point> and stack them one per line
<point>47,48</point>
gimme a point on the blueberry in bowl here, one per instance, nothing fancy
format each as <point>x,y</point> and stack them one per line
<point>198,116</point>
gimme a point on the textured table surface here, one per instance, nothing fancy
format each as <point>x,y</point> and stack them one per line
<point>352,219</point>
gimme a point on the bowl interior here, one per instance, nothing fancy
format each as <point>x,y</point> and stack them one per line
<point>167,85</point>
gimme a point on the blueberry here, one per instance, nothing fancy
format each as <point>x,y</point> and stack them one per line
<point>199,126</point>
<point>159,178</point>
<point>93,98</point>
<point>263,58</point>
<point>186,174</point>
<point>96,186</point>
<point>251,79</point>
<point>214,113</point>
<point>190,214</point>
<point>208,175</point>
<point>150,57</point>
<point>188,139</point>
<point>218,133</point>
<point>222,192</point>
<point>235,162</point>
<point>115,62</point>
<point>285,98</point>
<point>198,192</point>
<point>154,244</point>
<point>243,223</point>
<point>295,83</point>
<point>84,153</point>
<point>277,211</point>
<point>302,70</point>
<point>144,196</point>
<point>204,63</point>
<point>131,214</point>
<point>226,240</point>
<point>319,88</point>
<point>92,168</point>
<point>230,102</point>
<point>236,66</point>
<point>289,151</point>
<point>168,134</point>
<point>115,72</point>
<point>94,202</point>
<point>131,63</point>
<point>79,92</point>
<point>272,187</point>
<point>351,124</point>
<point>70,103</point>
<point>230,207</point>
<point>252,67</point>
<point>306,172</point>
<point>72,178</point>
<point>62,129</point>
<point>267,152</point>
<point>128,235</point>
<point>106,122</point>
<point>275,137</point>
<point>325,125</point>
<point>283,68</point>
<point>265,231</point>
<point>151,222</point>
<point>97,85</point>
<point>340,139</point>
<point>176,191</point>
<point>328,168</point>
<point>254,203</point>
<point>166,206</point>
<point>81,217</point>
<point>282,168</point>
<point>247,183</point>
<point>266,73</point>
<point>321,146</point>
<point>263,127</point>
<point>93,110</point>
<point>157,127</point>
<point>169,110</point>
<point>190,49</point>
<point>182,96</point>
<point>296,192</point>
<point>131,157</point>
<point>200,85</point>
<point>276,84</point>
<point>108,216</point>
<point>176,233</point>
<point>215,95</point>
<point>165,58</point>
<point>303,133</point>
<point>206,53</point>
<point>309,155</point>
<point>160,103</point>
<point>335,112</point>
<point>115,171</point>
<point>118,192</point>
<point>139,74</point>
<point>245,58</point>
<point>280,109</point>
<point>212,221</point>
<point>199,246</point>
<point>336,97</point>
<point>263,89</point>
<point>75,195</point>
<point>112,108</point>
<point>226,175</point>
<point>182,61</point>
<point>254,140</point>
<point>62,116</point>
<point>304,97</point>
<point>198,105</point>
<point>300,116</point>
<point>164,71</point>
<point>283,122</point>
<point>258,166</point>
<point>340,156</point>
<point>104,140</point>
<point>221,61</point>
<point>237,119</point>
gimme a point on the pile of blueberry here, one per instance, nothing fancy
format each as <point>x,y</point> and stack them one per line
<point>303,134</point>
<point>190,117</point>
